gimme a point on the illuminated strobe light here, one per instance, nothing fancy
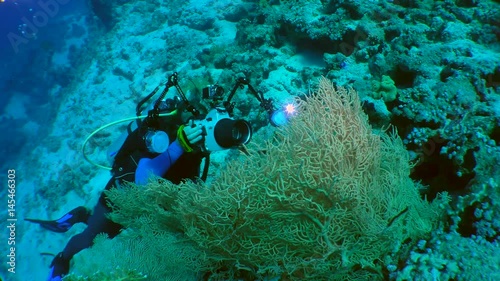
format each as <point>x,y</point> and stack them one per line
<point>290,109</point>
<point>281,117</point>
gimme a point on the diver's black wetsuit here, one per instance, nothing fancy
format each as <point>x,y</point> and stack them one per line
<point>125,164</point>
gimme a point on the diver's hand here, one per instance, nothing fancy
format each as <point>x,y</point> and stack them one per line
<point>194,133</point>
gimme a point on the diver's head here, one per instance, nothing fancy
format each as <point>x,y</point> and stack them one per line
<point>169,105</point>
<point>175,110</point>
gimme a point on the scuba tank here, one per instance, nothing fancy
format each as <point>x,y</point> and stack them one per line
<point>118,143</point>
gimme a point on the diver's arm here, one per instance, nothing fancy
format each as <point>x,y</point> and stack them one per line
<point>159,165</point>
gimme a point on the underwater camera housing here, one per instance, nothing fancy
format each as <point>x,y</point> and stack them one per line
<point>221,130</point>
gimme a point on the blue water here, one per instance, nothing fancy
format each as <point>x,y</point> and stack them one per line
<point>11,14</point>
<point>29,35</point>
<point>11,66</point>
<point>34,21</point>
<point>14,16</point>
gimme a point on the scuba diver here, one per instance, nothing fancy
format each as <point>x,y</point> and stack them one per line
<point>170,142</point>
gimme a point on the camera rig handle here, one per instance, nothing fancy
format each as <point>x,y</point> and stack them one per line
<point>267,104</point>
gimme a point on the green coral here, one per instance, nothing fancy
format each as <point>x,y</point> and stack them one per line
<point>328,200</point>
<point>385,89</point>
<point>118,275</point>
<point>150,256</point>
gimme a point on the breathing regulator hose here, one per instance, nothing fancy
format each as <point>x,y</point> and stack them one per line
<point>112,124</point>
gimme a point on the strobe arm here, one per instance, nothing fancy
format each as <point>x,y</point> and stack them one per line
<point>154,113</point>
<point>267,104</point>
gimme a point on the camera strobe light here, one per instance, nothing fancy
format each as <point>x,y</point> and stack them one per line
<point>280,117</point>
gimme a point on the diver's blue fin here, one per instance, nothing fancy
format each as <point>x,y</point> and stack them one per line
<point>79,214</point>
<point>58,268</point>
